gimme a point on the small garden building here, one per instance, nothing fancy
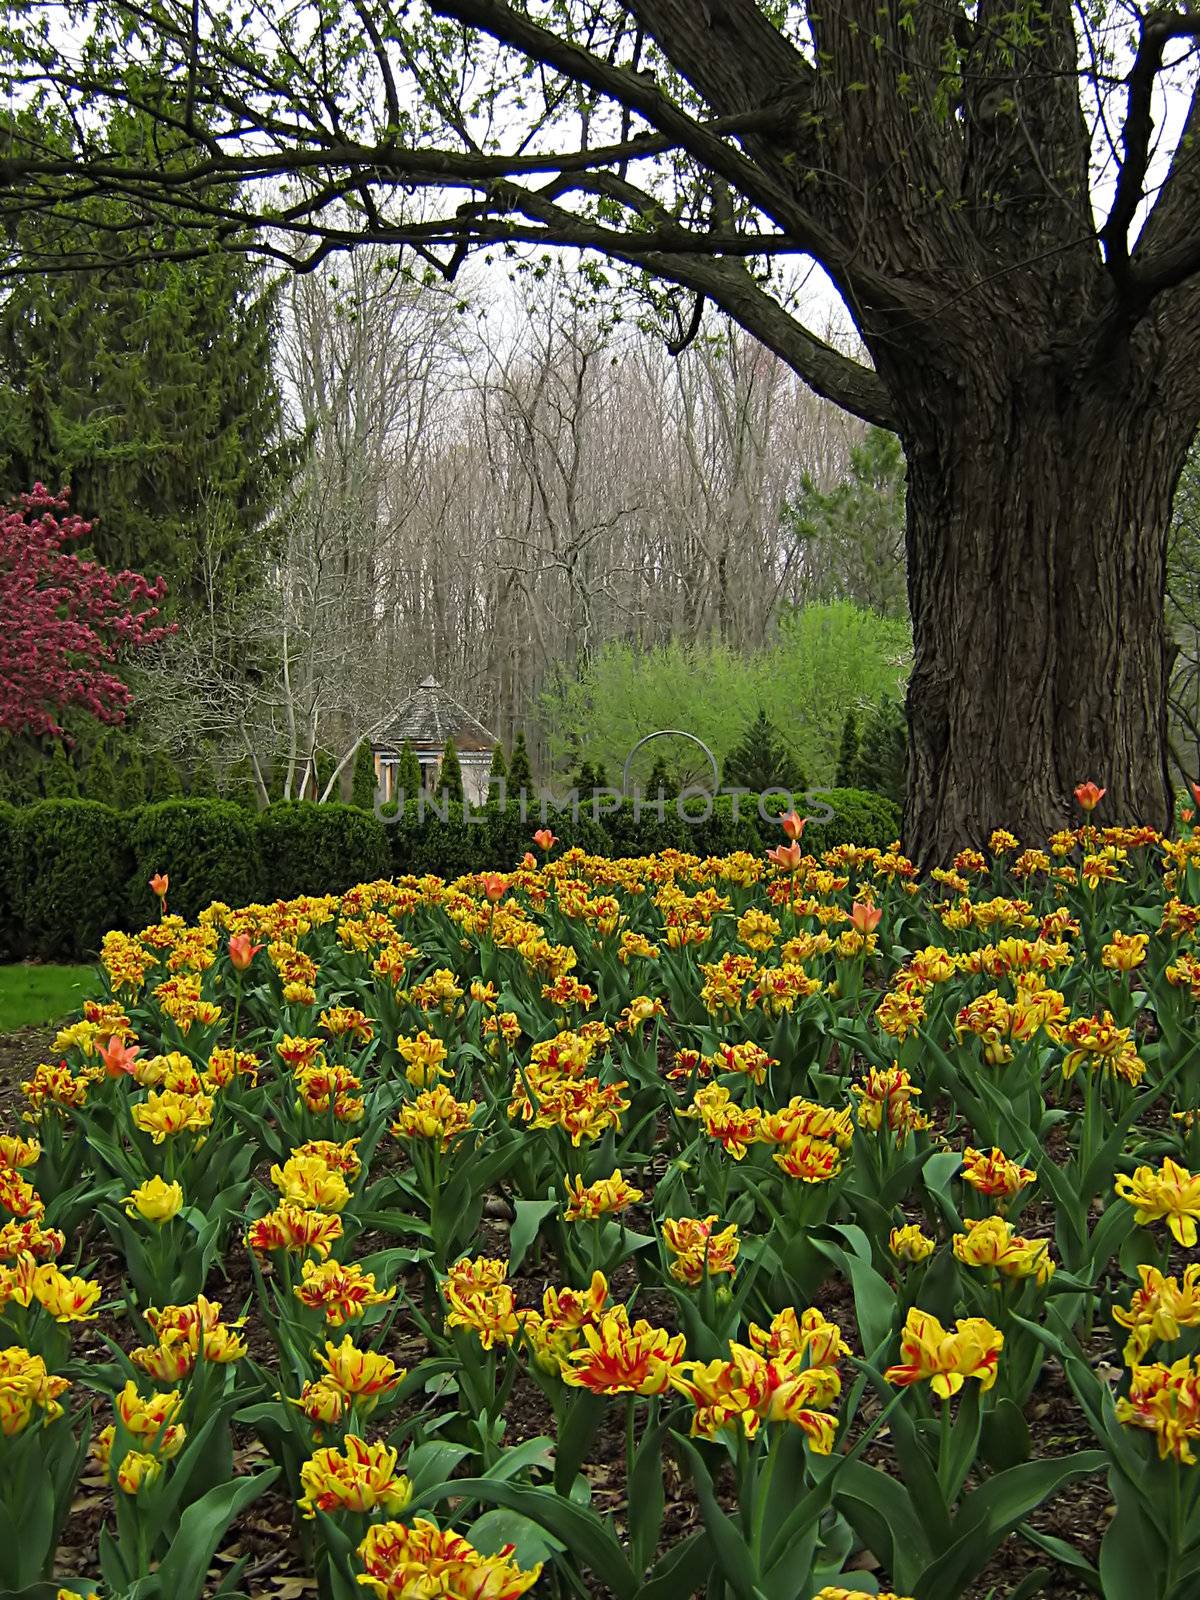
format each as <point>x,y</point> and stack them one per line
<point>429,719</point>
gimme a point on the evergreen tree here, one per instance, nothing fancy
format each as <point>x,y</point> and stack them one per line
<point>520,769</point>
<point>883,751</point>
<point>149,390</point>
<point>164,782</point>
<point>362,788</point>
<point>276,776</point>
<point>325,765</point>
<point>761,760</point>
<point>204,784</point>
<point>240,786</point>
<point>132,781</point>
<point>59,779</point>
<point>660,785</point>
<point>100,776</point>
<point>20,765</point>
<point>856,530</point>
<point>450,777</point>
<point>585,778</point>
<point>408,773</point>
<point>847,761</point>
<point>497,771</point>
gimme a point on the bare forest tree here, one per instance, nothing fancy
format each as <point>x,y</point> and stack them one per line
<point>494,485</point>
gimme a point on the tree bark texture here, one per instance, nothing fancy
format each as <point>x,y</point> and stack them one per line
<point>1037,533</point>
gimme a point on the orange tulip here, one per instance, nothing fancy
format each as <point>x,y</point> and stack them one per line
<point>117,1056</point>
<point>241,951</point>
<point>1089,796</point>
<point>1195,787</point>
<point>544,839</point>
<point>792,824</point>
<point>159,884</point>
<point>865,918</point>
<point>787,857</point>
<point>493,884</point>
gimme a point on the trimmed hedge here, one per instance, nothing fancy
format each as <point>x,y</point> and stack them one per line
<point>209,850</point>
<point>860,817</point>
<point>421,840</point>
<point>70,868</point>
<point>312,849</point>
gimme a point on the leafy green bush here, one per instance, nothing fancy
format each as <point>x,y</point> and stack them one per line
<point>860,817</point>
<point>309,849</point>
<point>431,836</point>
<point>70,868</point>
<point>823,660</point>
<point>208,849</point>
<point>637,829</point>
<point>721,834</point>
<point>487,839</point>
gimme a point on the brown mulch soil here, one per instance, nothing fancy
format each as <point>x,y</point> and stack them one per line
<point>20,1053</point>
<point>268,1533</point>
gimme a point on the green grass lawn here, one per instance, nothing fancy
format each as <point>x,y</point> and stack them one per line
<point>40,994</point>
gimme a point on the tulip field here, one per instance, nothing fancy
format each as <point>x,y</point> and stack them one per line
<point>760,1228</point>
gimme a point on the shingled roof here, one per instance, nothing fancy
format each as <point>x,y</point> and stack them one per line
<point>430,717</point>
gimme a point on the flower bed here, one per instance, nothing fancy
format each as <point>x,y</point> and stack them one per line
<point>470,1219</point>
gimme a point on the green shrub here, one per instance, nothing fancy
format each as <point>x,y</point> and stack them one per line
<point>309,849</point>
<point>860,817</point>
<point>208,849</point>
<point>408,773</point>
<point>721,834</point>
<point>484,839</point>
<point>70,867</point>
<point>420,840</point>
<point>637,829</point>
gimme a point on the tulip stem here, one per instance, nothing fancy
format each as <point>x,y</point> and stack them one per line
<point>944,1442</point>
<point>630,1449</point>
<point>762,1489</point>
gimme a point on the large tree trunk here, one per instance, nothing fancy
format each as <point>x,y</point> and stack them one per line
<point>1037,530</point>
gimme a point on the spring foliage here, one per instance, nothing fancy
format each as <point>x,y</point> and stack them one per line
<point>66,620</point>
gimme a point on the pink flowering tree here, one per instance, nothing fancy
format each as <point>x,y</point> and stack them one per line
<point>64,620</point>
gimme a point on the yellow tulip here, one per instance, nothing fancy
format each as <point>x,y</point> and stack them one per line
<point>154,1200</point>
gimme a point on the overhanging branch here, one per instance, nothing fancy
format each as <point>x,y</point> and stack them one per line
<point>1157,32</point>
